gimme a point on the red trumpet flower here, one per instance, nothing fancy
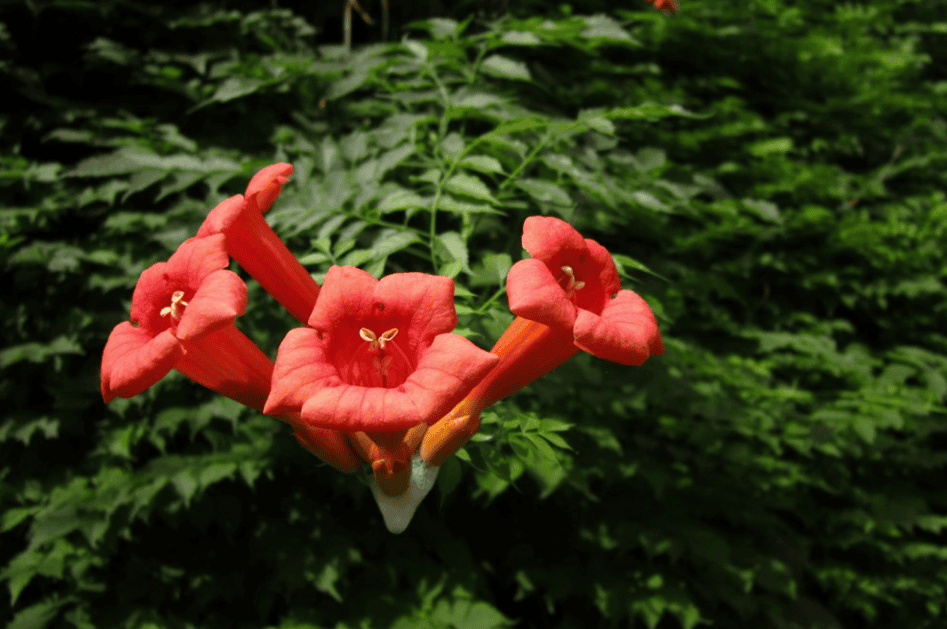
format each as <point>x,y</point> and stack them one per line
<point>184,310</point>
<point>567,298</point>
<point>378,357</point>
<point>257,248</point>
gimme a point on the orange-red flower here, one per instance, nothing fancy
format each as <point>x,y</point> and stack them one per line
<point>185,310</point>
<point>257,248</point>
<point>666,6</point>
<point>567,297</point>
<point>378,357</point>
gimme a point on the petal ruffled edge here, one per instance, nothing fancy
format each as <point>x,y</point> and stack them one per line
<point>133,361</point>
<point>302,368</point>
<point>266,185</point>
<point>425,301</point>
<point>446,372</point>
<point>221,298</point>
<point>546,238</point>
<point>626,332</point>
<point>534,294</point>
<point>223,216</point>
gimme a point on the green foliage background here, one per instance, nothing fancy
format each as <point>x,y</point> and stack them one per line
<point>769,176</point>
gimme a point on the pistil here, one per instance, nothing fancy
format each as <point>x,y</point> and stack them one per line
<point>572,285</point>
<point>380,360</point>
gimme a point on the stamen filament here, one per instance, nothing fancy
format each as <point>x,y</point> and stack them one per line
<point>177,298</point>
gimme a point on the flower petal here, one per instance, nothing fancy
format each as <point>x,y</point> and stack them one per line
<point>425,302</point>
<point>347,290</point>
<point>353,408</point>
<point>534,294</point>
<point>221,298</point>
<point>197,258</point>
<point>154,287</point>
<point>133,361</point>
<point>223,216</point>
<point>301,369</point>
<point>446,372</point>
<point>625,333</point>
<point>266,185</point>
<point>602,264</point>
<point>550,239</point>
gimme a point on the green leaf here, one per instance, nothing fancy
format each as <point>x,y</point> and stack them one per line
<point>604,27</point>
<point>237,87</point>
<point>481,163</point>
<point>505,68</point>
<point>400,200</point>
<point>468,185</point>
<point>864,427</point>
<point>454,247</point>
<point>448,477</point>
<point>519,124</point>
<point>545,193</point>
<point>770,146</point>
<point>392,241</point>
<point>450,204</point>
<point>36,616</point>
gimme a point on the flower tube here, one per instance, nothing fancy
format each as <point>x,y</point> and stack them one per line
<point>378,358</point>
<point>566,298</point>
<point>257,248</point>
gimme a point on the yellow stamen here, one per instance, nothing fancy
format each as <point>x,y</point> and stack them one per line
<point>573,285</point>
<point>376,341</point>
<point>177,299</point>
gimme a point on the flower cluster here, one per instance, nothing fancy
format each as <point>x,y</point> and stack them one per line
<point>377,373</point>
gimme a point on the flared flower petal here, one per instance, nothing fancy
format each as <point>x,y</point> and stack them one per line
<point>380,357</point>
<point>578,272</point>
<point>165,289</point>
<point>266,185</point>
<point>301,369</point>
<point>535,294</point>
<point>626,332</point>
<point>133,360</point>
<point>256,247</point>
<point>220,299</point>
<point>444,375</point>
<point>185,310</point>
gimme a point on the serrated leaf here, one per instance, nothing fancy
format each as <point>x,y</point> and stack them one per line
<point>216,472</point>
<point>470,186</point>
<point>604,27</point>
<point>477,100</point>
<point>456,206</point>
<point>400,200</point>
<point>36,616</point>
<point>237,87</point>
<point>390,159</point>
<point>545,192</point>
<point>505,68</point>
<point>392,242</point>
<point>520,38</point>
<point>454,246</point>
<point>481,163</point>
<point>519,124</point>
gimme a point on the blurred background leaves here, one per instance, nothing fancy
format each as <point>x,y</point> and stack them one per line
<point>769,176</point>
